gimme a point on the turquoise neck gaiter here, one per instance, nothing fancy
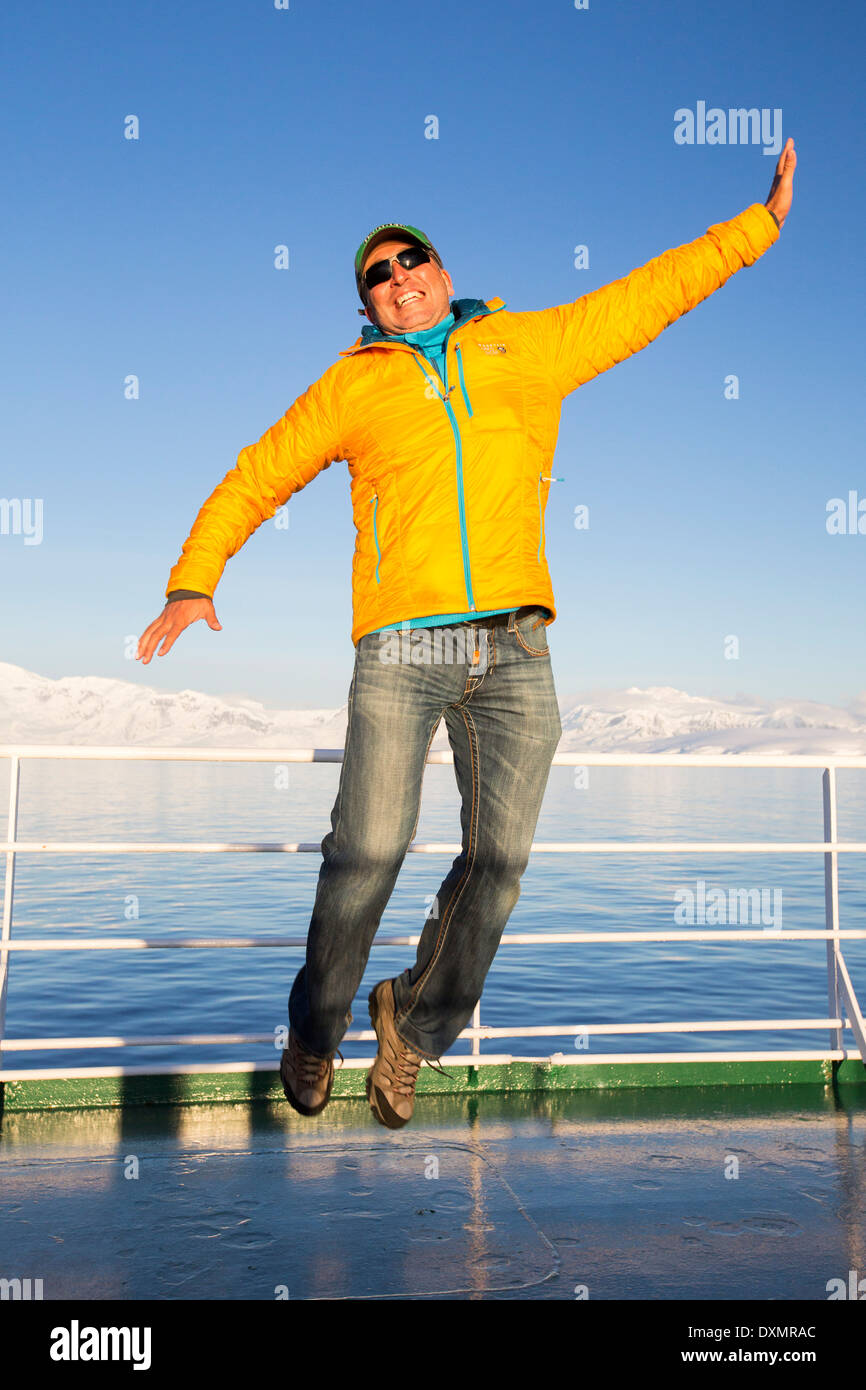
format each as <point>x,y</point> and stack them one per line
<point>431,341</point>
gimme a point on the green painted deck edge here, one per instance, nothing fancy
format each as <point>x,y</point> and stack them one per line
<point>233,1087</point>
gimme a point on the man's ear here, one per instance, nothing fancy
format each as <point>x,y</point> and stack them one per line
<point>448,283</point>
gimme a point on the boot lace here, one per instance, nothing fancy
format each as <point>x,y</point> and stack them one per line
<point>404,1065</point>
<point>310,1069</point>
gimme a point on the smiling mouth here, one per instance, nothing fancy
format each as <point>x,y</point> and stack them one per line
<point>408,298</point>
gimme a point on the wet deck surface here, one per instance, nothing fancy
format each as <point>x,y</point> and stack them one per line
<point>624,1195</point>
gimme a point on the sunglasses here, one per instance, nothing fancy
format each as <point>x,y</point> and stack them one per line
<point>380,271</point>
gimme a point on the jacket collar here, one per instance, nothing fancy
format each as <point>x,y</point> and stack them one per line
<point>462,309</point>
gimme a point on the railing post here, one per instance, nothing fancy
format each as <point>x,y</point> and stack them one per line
<point>9,886</point>
<point>831,903</point>
<point>476,1023</point>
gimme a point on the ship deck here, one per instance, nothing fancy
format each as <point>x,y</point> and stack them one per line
<point>718,1192</point>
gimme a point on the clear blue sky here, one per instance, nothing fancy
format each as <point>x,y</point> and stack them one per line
<point>306,127</point>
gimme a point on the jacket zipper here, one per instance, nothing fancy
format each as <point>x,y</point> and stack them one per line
<point>462,382</point>
<point>542,479</point>
<point>374,503</point>
<point>458,443</point>
<point>467,571</point>
<point>461,497</point>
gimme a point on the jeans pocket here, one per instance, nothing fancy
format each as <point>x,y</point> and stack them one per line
<point>531,632</point>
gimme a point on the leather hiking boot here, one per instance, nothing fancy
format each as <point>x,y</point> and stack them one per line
<point>306,1079</point>
<point>391,1079</point>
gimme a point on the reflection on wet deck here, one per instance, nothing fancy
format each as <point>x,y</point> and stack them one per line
<point>716,1193</point>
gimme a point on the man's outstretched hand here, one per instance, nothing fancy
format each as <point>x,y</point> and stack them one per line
<point>782,190</point>
<point>171,623</point>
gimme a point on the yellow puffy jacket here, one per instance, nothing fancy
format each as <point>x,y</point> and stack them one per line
<point>450,477</point>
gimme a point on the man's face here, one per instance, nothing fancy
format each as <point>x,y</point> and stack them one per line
<point>411,300</point>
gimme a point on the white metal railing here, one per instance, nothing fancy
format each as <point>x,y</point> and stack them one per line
<point>843,1007</point>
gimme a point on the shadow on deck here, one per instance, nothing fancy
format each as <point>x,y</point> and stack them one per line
<point>737,1192</point>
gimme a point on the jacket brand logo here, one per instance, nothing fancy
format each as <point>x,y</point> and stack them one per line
<point>492,347</point>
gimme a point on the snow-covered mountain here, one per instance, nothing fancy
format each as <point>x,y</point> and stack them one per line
<point>661,719</point>
<point>99,710</point>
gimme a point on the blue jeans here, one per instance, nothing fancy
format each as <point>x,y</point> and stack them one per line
<point>494,688</point>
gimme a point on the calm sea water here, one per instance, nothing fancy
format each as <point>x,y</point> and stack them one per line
<point>270,895</point>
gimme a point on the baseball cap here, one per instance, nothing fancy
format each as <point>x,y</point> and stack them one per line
<point>385,232</point>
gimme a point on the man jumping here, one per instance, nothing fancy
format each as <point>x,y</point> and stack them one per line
<point>447,413</point>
